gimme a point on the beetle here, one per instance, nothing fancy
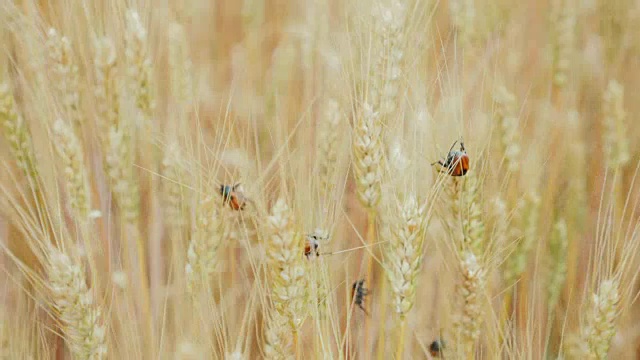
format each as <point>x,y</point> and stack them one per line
<point>358,292</point>
<point>457,161</point>
<point>312,246</point>
<point>436,347</point>
<point>232,196</point>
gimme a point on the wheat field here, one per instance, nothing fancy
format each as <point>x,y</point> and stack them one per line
<point>249,179</point>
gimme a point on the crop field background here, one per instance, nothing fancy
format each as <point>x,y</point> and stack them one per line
<point>335,179</point>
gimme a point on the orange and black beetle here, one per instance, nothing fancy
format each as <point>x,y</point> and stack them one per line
<point>457,161</point>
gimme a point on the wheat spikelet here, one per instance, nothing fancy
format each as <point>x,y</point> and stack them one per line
<point>327,142</point>
<point>71,154</point>
<point>106,87</point>
<point>277,339</point>
<point>453,190</point>
<point>139,65</point>
<point>599,323</point>
<point>470,317</point>
<point>389,24</point>
<point>180,65</point>
<point>563,20</point>
<point>175,209</point>
<point>463,19</point>
<point>202,255</point>
<point>73,301</point>
<point>367,149</point>
<point>405,254</point>
<point>472,219</point>
<point>558,250</point>
<point>65,74</point>
<point>524,232</point>
<point>616,144</point>
<point>286,265</point>
<point>119,168</point>
<point>507,119</point>
<point>17,133</point>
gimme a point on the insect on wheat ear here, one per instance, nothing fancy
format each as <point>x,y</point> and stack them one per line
<point>233,196</point>
<point>436,348</point>
<point>456,162</point>
<point>358,292</point>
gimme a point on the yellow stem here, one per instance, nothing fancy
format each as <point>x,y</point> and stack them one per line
<point>506,311</point>
<point>371,238</point>
<point>401,336</point>
<point>296,347</point>
<point>144,285</point>
<point>382,300</point>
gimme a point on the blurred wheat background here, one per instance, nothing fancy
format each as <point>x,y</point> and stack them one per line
<point>254,179</point>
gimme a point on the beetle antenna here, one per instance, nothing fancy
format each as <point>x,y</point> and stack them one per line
<point>452,145</point>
